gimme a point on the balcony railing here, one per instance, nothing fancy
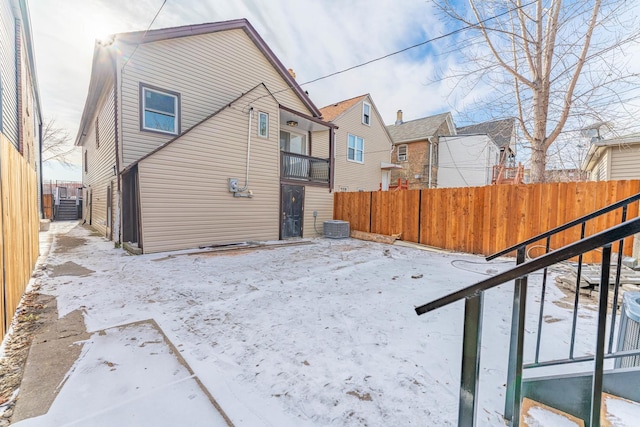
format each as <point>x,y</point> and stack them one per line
<point>304,168</point>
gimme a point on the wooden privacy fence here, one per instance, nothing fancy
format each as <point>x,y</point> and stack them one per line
<point>485,220</point>
<point>19,225</point>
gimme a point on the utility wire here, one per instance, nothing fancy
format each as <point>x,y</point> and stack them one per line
<point>459,30</point>
<point>144,35</point>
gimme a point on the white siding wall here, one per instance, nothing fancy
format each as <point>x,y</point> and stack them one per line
<point>101,161</point>
<point>377,148</point>
<point>185,202</point>
<point>316,199</point>
<point>9,105</point>
<point>208,71</point>
<point>625,162</point>
<point>466,161</point>
<point>600,170</point>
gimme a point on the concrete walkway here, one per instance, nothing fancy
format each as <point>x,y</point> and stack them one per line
<point>128,375</point>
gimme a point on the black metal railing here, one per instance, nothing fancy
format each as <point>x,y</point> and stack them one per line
<point>305,168</point>
<point>473,296</point>
<point>521,248</point>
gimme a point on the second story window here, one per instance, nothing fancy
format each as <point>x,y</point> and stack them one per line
<point>159,110</point>
<point>263,125</point>
<point>97,133</point>
<point>402,153</point>
<point>355,149</point>
<point>366,114</point>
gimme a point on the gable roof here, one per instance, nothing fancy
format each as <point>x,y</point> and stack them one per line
<point>331,112</point>
<point>500,131</point>
<point>418,129</point>
<point>598,146</point>
<point>104,61</point>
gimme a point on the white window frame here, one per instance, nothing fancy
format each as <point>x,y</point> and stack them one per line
<point>366,118</point>
<point>176,116</point>
<point>261,116</point>
<point>355,148</point>
<point>403,157</point>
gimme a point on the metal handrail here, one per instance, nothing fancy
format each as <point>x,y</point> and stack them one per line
<point>598,240</point>
<point>472,331</point>
<point>568,225</point>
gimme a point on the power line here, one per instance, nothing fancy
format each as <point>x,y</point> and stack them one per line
<point>459,30</point>
<point>144,35</point>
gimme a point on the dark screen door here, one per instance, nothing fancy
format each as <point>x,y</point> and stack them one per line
<point>292,211</point>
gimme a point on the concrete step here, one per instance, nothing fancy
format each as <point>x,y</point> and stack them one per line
<point>536,414</point>
<point>619,412</point>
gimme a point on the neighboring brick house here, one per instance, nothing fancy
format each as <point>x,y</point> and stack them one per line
<point>416,148</point>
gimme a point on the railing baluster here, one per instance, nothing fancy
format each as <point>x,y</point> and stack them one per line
<point>516,346</point>
<point>603,302</point>
<point>542,295</point>
<point>577,297</point>
<point>616,288</point>
<point>470,360</point>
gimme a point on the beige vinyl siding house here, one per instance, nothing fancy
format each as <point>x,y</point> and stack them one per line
<point>211,141</point>
<point>99,171</point>
<point>206,70</point>
<point>359,122</point>
<point>614,159</point>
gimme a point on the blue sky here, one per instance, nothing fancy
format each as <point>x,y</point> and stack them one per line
<point>314,38</point>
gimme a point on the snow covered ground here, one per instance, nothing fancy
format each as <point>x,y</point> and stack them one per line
<point>317,334</point>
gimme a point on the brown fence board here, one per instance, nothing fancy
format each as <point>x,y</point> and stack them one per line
<point>487,219</point>
<point>20,225</point>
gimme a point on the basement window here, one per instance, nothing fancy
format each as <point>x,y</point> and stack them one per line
<point>159,110</point>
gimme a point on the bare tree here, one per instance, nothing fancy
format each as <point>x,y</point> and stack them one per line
<point>554,65</point>
<point>56,144</point>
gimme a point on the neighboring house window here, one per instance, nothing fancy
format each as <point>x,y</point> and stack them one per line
<point>263,125</point>
<point>86,167</point>
<point>366,113</point>
<point>293,142</point>
<point>160,110</point>
<point>402,153</point>
<point>97,134</point>
<point>355,148</point>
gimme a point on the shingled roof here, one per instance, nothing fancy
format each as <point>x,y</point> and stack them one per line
<point>500,131</point>
<point>330,112</point>
<point>417,129</point>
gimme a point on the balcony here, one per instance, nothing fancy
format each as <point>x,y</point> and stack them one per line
<point>303,168</point>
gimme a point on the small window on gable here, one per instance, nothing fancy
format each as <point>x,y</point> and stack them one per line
<point>355,148</point>
<point>366,113</point>
<point>159,110</point>
<point>263,125</point>
<point>402,153</point>
<point>97,134</point>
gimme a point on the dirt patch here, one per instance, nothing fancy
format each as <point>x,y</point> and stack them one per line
<point>28,321</point>
<point>362,396</point>
<point>69,268</point>
<point>66,243</point>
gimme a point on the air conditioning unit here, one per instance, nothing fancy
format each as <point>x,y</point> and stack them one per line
<point>335,229</point>
<point>629,333</point>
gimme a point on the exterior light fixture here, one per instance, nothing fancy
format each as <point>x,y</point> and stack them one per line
<point>292,123</point>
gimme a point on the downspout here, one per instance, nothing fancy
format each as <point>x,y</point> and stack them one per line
<point>430,158</point>
<point>118,217</point>
<point>238,192</point>
<point>331,158</point>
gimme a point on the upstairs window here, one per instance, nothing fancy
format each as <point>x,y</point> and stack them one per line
<point>263,125</point>
<point>366,114</point>
<point>402,153</point>
<point>97,133</point>
<point>355,149</point>
<point>159,110</point>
